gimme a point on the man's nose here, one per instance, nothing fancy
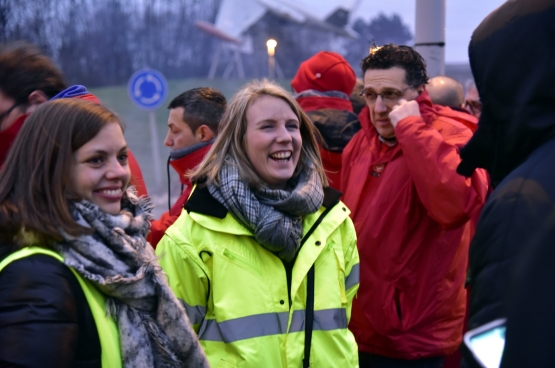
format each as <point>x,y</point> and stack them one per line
<point>168,141</point>
<point>380,105</point>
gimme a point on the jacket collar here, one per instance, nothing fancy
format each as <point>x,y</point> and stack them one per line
<point>202,202</point>
<point>7,137</point>
<point>205,210</point>
<point>428,111</point>
<point>188,162</point>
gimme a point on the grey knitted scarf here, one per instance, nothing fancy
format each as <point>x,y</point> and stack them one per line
<point>153,328</point>
<point>274,216</point>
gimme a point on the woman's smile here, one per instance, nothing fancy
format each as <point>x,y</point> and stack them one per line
<point>273,140</point>
<point>101,172</point>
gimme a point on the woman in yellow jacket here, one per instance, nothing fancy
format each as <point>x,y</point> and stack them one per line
<point>264,256</point>
<point>79,284</point>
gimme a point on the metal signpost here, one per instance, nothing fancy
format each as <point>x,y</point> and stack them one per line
<point>148,89</point>
<point>429,35</point>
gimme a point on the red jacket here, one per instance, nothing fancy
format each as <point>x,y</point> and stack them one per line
<point>7,137</point>
<point>411,211</point>
<point>181,166</point>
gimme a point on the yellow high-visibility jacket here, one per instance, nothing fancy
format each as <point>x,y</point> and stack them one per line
<point>236,293</point>
<point>107,329</point>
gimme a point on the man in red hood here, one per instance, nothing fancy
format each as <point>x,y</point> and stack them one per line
<point>27,79</point>
<point>412,214</point>
<point>192,126</point>
<point>323,85</point>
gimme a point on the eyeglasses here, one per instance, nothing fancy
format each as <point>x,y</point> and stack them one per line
<point>388,95</point>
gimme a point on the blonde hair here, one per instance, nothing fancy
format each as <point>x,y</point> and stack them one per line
<point>231,139</point>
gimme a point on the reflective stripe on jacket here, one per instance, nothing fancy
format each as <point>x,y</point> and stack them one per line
<point>236,293</point>
<point>107,329</point>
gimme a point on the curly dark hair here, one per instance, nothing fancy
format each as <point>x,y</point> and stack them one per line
<point>391,55</point>
<point>24,69</point>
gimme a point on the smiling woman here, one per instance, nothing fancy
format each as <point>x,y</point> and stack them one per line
<point>262,210</point>
<point>273,140</point>
<point>101,173</point>
<point>72,245</point>
<point>256,105</point>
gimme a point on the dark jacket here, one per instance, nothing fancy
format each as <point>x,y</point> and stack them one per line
<point>332,114</point>
<point>45,320</point>
<point>512,55</point>
<point>530,305</point>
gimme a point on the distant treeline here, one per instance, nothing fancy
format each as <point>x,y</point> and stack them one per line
<point>102,42</point>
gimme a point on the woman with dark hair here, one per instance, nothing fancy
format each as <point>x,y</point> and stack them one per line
<point>264,258</point>
<point>79,285</point>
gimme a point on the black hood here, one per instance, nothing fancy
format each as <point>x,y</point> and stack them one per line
<point>512,56</point>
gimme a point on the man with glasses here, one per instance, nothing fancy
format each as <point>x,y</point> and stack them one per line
<point>412,214</point>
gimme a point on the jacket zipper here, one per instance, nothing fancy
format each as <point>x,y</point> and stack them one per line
<point>241,260</point>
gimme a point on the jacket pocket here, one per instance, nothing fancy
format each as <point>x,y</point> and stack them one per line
<point>340,273</point>
<point>392,311</point>
<point>397,301</point>
<point>241,261</point>
<point>226,364</point>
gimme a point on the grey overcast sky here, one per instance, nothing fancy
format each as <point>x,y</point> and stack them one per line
<point>462,17</point>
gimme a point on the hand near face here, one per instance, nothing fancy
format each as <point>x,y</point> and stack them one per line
<point>403,110</point>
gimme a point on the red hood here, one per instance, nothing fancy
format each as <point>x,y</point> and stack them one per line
<point>7,137</point>
<point>428,111</point>
<point>188,162</point>
<point>311,103</point>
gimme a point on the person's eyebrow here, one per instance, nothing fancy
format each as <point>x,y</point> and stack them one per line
<point>271,121</point>
<point>104,152</point>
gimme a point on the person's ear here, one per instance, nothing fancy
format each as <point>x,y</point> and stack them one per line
<point>204,133</point>
<point>420,89</point>
<point>34,100</point>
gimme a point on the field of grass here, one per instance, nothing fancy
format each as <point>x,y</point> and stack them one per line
<point>138,134</point>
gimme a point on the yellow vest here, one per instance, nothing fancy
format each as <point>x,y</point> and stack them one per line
<point>106,326</point>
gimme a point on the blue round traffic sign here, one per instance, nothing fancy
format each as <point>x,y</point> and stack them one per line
<point>148,89</point>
